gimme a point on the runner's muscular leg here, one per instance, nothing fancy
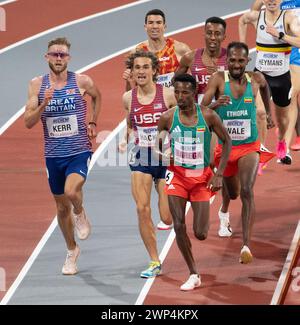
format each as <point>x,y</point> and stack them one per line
<point>293,112</point>
<point>230,191</point>
<point>201,219</point>
<point>282,116</point>
<point>64,219</point>
<point>141,185</point>
<point>248,166</point>
<point>163,204</point>
<point>177,207</point>
<point>73,191</point>
<point>261,119</point>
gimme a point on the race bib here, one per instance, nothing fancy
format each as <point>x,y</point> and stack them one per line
<point>165,79</point>
<point>200,97</point>
<point>270,61</point>
<point>169,177</point>
<point>147,136</point>
<point>189,153</point>
<point>62,126</point>
<point>238,129</point>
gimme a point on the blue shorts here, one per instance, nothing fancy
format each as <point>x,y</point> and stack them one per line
<point>295,56</point>
<point>59,168</point>
<point>156,172</point>
<point>142,160</point>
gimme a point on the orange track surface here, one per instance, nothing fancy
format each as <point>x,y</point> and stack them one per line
<point>35,16</point>
<point>27,207</point>
<point>224,280</point>
<point>23,222</point>
<point>292,296</point>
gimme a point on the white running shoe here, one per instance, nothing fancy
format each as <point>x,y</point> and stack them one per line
<point>193,282</point>
<point>82,225</point>
<point>245,255</point>
<point>162,226</point>
<point>225,229</point>
<point>70,267</point>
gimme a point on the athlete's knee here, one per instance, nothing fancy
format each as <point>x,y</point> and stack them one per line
<point>246,192</point>
<point>233,195</point>
<point>261,115</point>
<point>179,227</point>
<point>63,211</point>
<point>143,209</point>
<point>200,234</point>
<point>71,194</point>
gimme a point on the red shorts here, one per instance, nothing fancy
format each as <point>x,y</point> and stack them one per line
<point>236,153</point>
<point>191,184</point>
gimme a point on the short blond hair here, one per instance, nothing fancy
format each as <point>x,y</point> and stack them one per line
<point>59,41</point>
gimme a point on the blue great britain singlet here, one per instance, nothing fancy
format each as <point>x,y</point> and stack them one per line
<point>64,120</point>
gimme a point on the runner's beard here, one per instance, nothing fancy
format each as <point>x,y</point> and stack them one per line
<point>237,76</point>
<point>57,71</point>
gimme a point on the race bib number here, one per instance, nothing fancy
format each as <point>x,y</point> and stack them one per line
<point>270,61</point>
<point>63,126</point>
<point>165,79</point>
<point>169,177</point>
<point>147,136</point>
<point>189,153</point>
<point>238,129</point>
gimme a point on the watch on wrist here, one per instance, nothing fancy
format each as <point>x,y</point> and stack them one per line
<point>281,35</point>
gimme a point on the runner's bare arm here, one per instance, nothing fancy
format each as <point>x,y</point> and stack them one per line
<point>33,110</point>
<point>185,63</point>
<point>169,97</point>
<point>217,126</point>
<point>292,25</point>
<point>265,96</point>
<point>213,90</point>
<point>163,132</point>
<point>126,99</point>
<point>180,49</point>
<point>130,83</point>
<point>250,17</point>
<point>90,88</point>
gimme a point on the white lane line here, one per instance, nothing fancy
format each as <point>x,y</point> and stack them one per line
<point>287,268</point>
<point>29,262</point>
<point>162,256</point>
<point>6,2</point>
<point>73,22</point>
<point>184,29</point>
<point>12,120</point>
<point>97,153</point>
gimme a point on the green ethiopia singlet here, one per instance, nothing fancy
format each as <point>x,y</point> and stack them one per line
<point>239,117</point>
<point>190,144</point>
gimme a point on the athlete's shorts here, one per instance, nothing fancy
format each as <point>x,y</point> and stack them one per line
<point>59,168</point>
<point>236,153</point>
<point>280,87</point>
<point>189,184</point>
<point>143,160</point>
<point>157,172</point>
<point>295,56</point>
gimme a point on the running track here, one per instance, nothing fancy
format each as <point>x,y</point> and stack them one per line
<point>28,208</point>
